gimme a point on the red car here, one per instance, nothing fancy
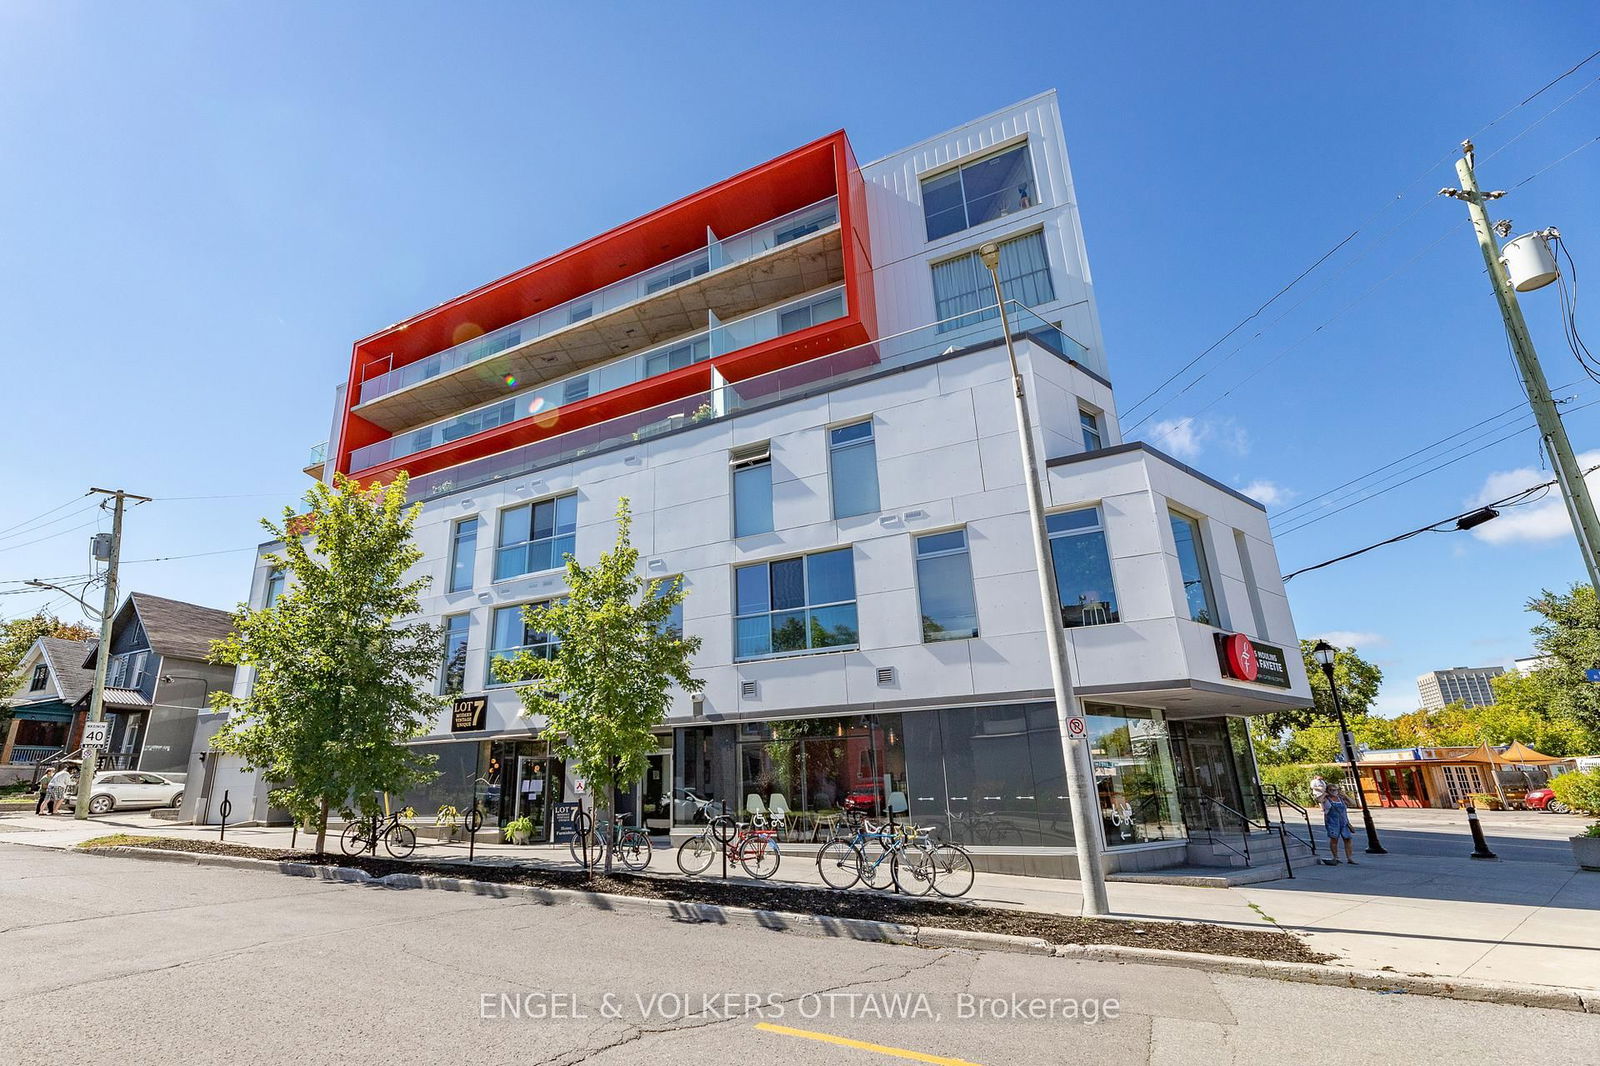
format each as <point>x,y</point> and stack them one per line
<point>1544,799</point>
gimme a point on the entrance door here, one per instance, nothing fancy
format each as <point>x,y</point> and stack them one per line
<point>657,799</point>
<point>1206,769</point>
<point>533,792</point>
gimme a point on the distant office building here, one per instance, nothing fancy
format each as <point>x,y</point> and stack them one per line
<point>1460,684</point>
<point>1532,663</point>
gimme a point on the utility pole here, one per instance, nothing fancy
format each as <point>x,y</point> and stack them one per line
<point>102,656</point>
<point>1069,713</point>
<point>1574,490</point>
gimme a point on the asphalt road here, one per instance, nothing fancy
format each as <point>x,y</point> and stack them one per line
<point>115,961</point>
<point>1526,836</point>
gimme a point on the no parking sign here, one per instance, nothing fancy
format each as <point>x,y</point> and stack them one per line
<point>1077,727</point>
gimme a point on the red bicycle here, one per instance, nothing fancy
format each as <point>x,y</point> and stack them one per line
<point>752,846</point>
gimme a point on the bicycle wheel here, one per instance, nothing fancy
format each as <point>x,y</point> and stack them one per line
<point>401,841</point>
<point>839,864</point>
<point>876,865</point>
<point>912,870</point>
<point>634,848</point>
<point>953,871</point>
<point>354,838</point>
<point>695,855</point>
<point>596,849</point>
<point>759,857</point>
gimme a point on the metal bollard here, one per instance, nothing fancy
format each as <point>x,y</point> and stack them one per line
<point>474,822</point>
<point>1480,846</point>
<point>227,809</point>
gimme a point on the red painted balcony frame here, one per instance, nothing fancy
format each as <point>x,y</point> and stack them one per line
<point>825,167</point>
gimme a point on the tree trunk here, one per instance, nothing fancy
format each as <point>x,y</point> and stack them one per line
<point>611,795</point>
<point>322,827</point>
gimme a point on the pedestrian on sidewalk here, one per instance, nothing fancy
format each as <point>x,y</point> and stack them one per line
<point>1319,788</point>
<point>58,788</point>
<point>44,793</point>
<point>1336,820</point>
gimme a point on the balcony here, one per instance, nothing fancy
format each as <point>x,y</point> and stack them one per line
<point>319,459</point>
<point>545,401</point>
<point>795,253</point>
<point>823,374</point>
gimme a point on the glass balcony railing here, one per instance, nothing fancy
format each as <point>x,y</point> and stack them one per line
<point>822,374</point>
<point>718,253</point>
<point>319,454</point>
<point>538,402</point>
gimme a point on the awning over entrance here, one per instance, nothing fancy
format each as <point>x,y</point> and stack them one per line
<point>54,711</point>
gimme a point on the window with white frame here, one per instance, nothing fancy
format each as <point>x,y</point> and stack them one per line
<point>752,489</point>
<point>963,291</point>
<point>853,469</point>
<point>536,536</point>
<point>41,677</point>
<point>127,670</point>
<point>978,192</point>
<point>944,587</point>
<point>463,553</point>
<point>1192,565</point>
<point>454,677</point>
<point>513,635</point>
<point>1093,438</point>
<point>790,606</point>
<point>1082,562</point>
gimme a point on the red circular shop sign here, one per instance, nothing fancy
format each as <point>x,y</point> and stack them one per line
<point>1242,662</point>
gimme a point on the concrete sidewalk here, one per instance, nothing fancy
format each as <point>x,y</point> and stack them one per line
<point>1426,908</point>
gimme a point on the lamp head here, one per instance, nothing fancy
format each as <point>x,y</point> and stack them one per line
<point>1324,652</point>
<point>990,254</point>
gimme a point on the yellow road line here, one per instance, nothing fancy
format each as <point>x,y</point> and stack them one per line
<point>842,1041</point>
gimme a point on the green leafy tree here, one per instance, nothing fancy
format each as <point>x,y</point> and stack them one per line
<point>1358,682</point>
<point>341,678</point>
<point>16,637</point>
<point>609,683</point>
<point>1568,635</point>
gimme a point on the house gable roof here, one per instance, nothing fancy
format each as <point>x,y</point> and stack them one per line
<point>175,629</point>
<point>63,658</point>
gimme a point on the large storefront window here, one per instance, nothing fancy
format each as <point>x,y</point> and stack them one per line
<point>459,767</point>
<point>1133,775</point>
<point>805,770</point>
<point>986,776</point>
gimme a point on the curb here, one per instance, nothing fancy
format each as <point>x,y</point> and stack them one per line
<point>1461,988</point>
<point>1471,989</point>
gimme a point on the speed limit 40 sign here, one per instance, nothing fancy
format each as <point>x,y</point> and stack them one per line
<point>94,734</point>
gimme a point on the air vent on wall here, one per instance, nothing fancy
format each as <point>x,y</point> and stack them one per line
<point>748,690</point>
<point>885,676</point>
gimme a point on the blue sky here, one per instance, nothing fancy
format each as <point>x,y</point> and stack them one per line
<point>202,205</point>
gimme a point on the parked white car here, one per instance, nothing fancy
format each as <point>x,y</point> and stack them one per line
<point>133,788</point>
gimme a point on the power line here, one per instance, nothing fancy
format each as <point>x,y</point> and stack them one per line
<point>52,511</point>
<point>1415,477</point>
<point>1283,514</point>
<point>1368,221</point>
<point>52,536</point>
<point>1516,499</point>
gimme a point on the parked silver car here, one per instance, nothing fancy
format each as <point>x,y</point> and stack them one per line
<point>132,788</point>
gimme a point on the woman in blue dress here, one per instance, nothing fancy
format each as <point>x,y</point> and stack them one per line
<point>1336,820</point>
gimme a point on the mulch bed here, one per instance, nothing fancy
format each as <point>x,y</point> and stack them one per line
<point>860,903</point>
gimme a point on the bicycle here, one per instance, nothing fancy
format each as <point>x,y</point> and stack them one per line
<point>630,843</point>
<point>842,861</point>
<point>399,840</point>
<point>754,847</point>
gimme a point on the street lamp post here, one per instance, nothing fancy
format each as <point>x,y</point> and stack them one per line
<point>1324,653</point>
<point>1069,714</point>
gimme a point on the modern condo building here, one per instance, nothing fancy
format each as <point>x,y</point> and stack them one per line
<point>797,377</point>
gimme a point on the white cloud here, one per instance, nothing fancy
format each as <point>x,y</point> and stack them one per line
<point>1531,523</point>
<point>1188,436</point>
<point>1352,638</point>
<point>1268,492</point>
